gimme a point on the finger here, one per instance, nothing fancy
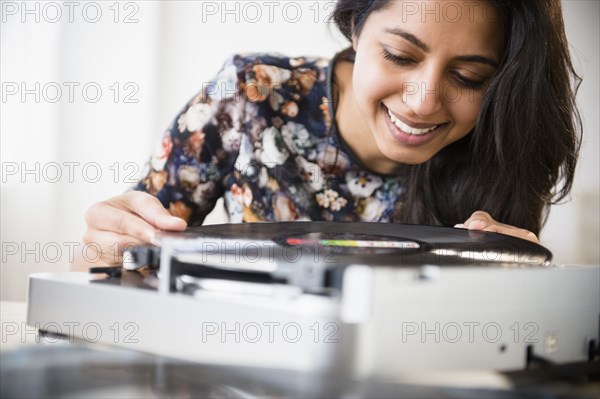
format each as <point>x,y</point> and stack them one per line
<point>151,209</point>
<point>513,231</point>
<point>480,216</point>
<point>510,231</point>
<point>483,221</point>
<point>105,248</point>
<point>104,216</point>
<point>479,220</point>
<point>479,224</point>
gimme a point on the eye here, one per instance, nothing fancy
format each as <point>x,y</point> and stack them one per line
<point>397,59</point>
<point>460,79</point>
<point>468,83</point>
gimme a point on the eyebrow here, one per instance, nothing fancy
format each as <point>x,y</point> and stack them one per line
<point>418,43</point>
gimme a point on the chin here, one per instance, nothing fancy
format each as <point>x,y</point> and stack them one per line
<point>408,160</point>
<point>403,156</point>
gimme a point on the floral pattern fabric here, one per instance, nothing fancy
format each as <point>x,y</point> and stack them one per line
<point>260,134</point>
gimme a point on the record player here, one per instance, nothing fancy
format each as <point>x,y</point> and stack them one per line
<point>362,300</point>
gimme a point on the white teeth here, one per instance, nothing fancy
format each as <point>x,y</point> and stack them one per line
<point>405,128</point>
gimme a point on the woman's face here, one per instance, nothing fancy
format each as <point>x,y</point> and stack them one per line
<point>421,71</point>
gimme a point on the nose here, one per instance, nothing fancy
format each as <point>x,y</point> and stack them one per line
<point>422,92</point>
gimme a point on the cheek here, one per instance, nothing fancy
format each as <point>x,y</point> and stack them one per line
<point>465,110</point>
<point>370,86</point>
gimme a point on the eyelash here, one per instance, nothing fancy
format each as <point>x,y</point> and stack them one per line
<point>467,83</point>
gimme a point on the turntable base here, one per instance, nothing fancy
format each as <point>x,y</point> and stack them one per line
<point>78,371</point>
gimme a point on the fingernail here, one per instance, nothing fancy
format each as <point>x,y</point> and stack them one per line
<point>175,219</point>
<point>460,226</point>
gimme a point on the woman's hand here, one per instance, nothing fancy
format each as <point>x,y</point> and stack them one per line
<point>483,221</point>
<point>121,222</point>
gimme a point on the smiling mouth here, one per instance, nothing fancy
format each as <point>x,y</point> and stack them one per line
<point>409,129</point>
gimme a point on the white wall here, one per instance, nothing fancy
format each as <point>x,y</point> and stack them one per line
<point>69,142</point>
<point>166,55</point>
<point>572,232</point>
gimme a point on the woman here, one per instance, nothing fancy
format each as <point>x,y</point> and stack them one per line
<point>443,113</point>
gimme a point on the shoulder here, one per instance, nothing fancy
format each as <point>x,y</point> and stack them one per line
<point>276,69</point>
<point>276,87</point>
<point>277,60</point>
<point>257,76</point>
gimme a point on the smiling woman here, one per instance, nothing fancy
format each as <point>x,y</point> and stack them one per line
<point>418,86</point>
<point>494,82</point>
<point>440,113</point>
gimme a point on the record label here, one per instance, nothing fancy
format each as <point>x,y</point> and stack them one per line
<point>350,243</point>
<point>353,243</point>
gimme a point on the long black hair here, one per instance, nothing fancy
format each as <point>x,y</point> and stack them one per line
<point>521,156</point>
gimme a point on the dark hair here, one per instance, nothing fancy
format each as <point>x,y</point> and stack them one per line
<point>521,156</point>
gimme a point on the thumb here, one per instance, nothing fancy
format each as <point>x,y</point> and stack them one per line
<point>168,222</point>
<point>152,210</point>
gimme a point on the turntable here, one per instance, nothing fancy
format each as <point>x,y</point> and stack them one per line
<point>358,300</point>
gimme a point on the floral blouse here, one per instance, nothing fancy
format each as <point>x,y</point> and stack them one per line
<point>261,135</point>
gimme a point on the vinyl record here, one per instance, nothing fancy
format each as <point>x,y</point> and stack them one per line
<point>382,243</point>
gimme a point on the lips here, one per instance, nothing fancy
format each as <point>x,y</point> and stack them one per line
<point>407,128</point>
<point>413,134</point>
